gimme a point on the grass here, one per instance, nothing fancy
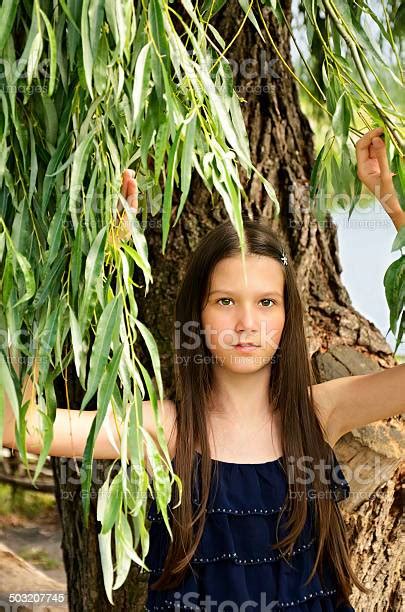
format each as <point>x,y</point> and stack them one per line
<point>38,557</point>
<point>23,503</point>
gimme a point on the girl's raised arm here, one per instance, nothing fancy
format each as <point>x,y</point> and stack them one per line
<point>374,172</point>
<point>353,401</point>
<point>71,428</point>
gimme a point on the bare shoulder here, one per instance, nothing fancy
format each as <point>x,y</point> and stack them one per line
<point>323,399</point>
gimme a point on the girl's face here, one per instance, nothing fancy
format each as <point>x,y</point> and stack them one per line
<point>238,313</point>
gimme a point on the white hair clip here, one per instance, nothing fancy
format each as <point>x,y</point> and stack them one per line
<point>284,258</point>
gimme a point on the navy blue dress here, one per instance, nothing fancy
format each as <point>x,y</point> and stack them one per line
<point>234,561</point>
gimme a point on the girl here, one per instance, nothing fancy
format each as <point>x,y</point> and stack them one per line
<point>259,527</point>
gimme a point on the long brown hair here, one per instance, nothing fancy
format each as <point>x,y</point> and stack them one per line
<point>291,377</point>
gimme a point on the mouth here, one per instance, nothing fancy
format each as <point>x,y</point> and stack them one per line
<point>246,345</point>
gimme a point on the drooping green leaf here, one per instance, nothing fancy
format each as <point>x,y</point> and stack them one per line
<point>7,384</point>
<point>52,47</point>
<point>399,241</point>
<point>394,284</point>
<point>106,327</point>
<point>8,12</point>
<point>93,268</point>
<point>80,161</point>
<point>167,198</point>
<point>113,504</point>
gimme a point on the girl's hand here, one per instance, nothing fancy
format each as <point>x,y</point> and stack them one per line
<point>374,172</point>
<point>129,190</point>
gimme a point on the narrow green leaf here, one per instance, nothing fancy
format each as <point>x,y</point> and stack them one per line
<point>49,181</point>
<point>79,347</point>
<point>8,12</point>
<point>48,413</point>
<point>56,226</point>
<point>358,186</point>
<point>51,119</point>
<point>167,198</point>
<point>399,177</point>
<point>394,284</point>
<point>86,46</point>
<point>107,324</point>
<point>2,398</point>
<point>28,278</point>
<point>248,11</point>
<point>104,541</point>
<point>94,262</point>
<point>399,241</point>
<point>52,51</point>
<point>401,332</point>
<point>141,80</point>
<point>86,471</point>
<point>186,164</point>
<point>47,343</point>
<point>161,480</point>
<point>218,109</point>
<point>212,7</point>
<point>161,145</point>
<point>100,71</point>
<point>47,439</point>
<point>123,543</point>
<point>76,262</point>
<point>80,160</point>
<point>95,15</point>
<point>7,383</point>
<point>158,32</point>
<point>69,15</point>
<point>113,505</point>
<point>141,247</point>
<point>52,276</point>
<point>110,7</point>
<point>154,354</point>
<point>106,387</point>
<point>34,56</point>
<point>342,117</point>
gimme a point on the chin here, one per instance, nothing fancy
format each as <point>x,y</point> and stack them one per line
<point>243,363</point>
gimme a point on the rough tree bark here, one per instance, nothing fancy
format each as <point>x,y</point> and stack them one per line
<point>341,341</point>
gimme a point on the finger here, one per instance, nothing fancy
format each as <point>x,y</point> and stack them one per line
<point>378,151</point>
<point>132,196</point>
<point>125,177</point>
<point>363,144</point>
<point>365,140</point>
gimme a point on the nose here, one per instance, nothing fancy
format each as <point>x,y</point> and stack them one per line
<point>246,320</point>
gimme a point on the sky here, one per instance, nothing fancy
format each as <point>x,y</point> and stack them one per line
<point>365,253</point>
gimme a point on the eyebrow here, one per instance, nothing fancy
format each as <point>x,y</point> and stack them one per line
<point>228,292</point>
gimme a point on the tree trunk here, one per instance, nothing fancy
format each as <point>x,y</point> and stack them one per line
<point>341,341</point>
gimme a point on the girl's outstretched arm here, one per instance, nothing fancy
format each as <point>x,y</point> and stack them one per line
<point>353,401</point>
<point>374,172</point>
<point>71,429</point>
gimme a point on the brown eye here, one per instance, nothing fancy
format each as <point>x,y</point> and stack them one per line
<point>268,300</point>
